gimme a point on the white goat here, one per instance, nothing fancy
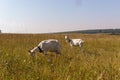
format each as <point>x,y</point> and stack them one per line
<point>51,45</point>
<point>74,42</point>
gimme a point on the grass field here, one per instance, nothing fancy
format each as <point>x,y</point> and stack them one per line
<point>99,59</point>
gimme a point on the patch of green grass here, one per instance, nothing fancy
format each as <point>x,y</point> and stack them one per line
<point>99,59</point>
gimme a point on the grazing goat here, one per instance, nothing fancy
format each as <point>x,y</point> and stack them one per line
<point>74,42</point>
<point>51,45</point>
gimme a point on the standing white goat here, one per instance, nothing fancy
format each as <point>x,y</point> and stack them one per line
<point>74,42</point>
<point>51,45</point>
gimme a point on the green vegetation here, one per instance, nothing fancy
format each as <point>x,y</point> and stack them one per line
<point>99,59</point>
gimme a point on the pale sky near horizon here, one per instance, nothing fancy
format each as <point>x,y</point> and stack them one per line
<point>44,16</point>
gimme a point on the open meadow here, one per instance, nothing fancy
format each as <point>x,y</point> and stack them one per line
<point>99,58</point>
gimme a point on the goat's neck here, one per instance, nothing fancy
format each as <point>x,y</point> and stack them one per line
<point>69,40</point>
<point>34,49</point>
<point>40,50</point>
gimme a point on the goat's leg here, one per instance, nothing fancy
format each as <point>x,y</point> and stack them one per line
<point>71,45</point>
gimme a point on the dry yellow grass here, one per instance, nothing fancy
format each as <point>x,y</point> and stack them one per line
<point>99,59</point>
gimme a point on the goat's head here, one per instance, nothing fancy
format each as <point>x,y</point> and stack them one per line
<point>31,53</point>
<point>67,38</point>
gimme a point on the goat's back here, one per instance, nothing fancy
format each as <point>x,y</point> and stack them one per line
<point>50,45</point>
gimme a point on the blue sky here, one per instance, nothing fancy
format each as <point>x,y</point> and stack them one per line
<point>44,16</point>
